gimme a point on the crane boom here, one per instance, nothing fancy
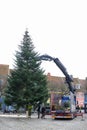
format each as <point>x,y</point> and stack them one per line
<point>62,68</point>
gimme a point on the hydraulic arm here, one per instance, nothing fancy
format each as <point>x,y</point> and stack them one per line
<point>69,79</point>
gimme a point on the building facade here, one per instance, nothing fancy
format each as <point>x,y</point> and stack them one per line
<point>4,71</point>
<point>55,84</point>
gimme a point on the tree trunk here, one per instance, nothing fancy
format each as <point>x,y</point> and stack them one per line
<point>28,111</point>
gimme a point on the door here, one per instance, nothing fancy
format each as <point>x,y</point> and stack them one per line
<point>85,108</point>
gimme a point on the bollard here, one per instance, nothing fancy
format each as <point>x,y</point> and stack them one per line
<point>82,118</point>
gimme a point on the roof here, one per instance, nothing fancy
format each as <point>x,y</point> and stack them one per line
<point>55,83</point>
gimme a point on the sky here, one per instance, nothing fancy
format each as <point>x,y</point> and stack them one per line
<point>57,28</point>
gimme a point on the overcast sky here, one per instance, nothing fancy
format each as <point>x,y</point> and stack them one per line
<point>57,28</point>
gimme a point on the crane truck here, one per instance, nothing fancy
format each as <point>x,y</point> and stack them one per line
<point>62,106</point>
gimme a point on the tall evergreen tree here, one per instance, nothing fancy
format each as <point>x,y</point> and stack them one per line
<point>27,83</point>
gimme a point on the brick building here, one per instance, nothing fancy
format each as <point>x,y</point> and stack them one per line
<point>55,83</point>
<point>4,71</point>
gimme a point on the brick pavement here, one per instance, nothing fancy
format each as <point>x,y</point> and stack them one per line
<point>15,122</point>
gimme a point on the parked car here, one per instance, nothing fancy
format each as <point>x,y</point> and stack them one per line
<point>21,110</point>
<point>10,109</point>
